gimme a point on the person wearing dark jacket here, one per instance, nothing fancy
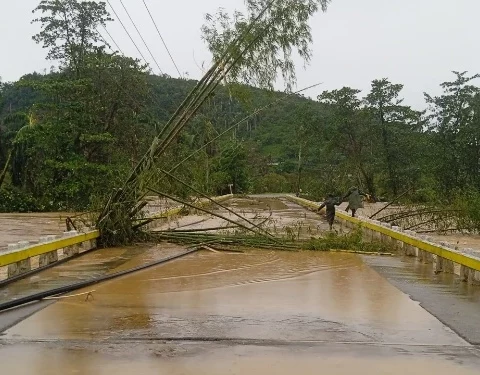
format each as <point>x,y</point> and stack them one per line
<point>329,205</point>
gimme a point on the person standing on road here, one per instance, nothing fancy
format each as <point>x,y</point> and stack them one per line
<point>354,196</point>
<point>329,205</point>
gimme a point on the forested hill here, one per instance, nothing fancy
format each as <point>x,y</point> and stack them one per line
<point>66,142</point>
<point>72,141</point>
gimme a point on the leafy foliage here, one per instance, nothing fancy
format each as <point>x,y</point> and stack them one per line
<point>68,138</point>
<point>280,28</point>
<point>351,241</point>
<point>455,129</point>
<point>69,29</point>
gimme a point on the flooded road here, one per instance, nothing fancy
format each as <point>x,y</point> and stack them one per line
<point>93,265</point>
<point>257,312</point>
<point>280,216</point>
<point>240,313</point>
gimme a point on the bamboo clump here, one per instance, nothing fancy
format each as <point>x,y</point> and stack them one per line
<point>117,219</point>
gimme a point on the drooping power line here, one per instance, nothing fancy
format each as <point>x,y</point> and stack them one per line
<point>111,37</point>
<point>163,41</point>
<point>118,18</point>
<point>141,37</point>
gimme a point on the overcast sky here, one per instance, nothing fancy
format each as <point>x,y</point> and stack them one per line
<point>413,42</point>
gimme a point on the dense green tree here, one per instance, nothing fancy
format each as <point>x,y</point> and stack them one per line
<point>84,129</point>
<point>69,30</point>
<point>349,134</point>
<point>230,167</point>
<point>394,122</point>
<point>454,128</point>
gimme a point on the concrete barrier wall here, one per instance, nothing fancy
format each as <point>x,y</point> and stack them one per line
<point>24,256</point>
<point>444,257</point>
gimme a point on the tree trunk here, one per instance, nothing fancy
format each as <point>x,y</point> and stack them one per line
<point>369,181</point>
<point>5,168</point>
<point>299,169</point>
<point>388,156</point>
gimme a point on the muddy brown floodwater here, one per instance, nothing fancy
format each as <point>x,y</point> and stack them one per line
<point>258,312</point>
<point>30,227</point>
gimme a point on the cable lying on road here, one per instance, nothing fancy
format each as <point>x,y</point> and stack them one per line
<point>84,284</point>
<point>89,294</point>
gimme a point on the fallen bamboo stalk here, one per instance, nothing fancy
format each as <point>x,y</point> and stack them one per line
<point>234,241</point>
<point>408,214</point>
<point>208,212</point>
<point>176,230</point>
<point>209,249</point>
<point>393,201</point>
<point>422,223</point>
<point>138,208</point>
<point>215,202</point>
<point>439,230</point>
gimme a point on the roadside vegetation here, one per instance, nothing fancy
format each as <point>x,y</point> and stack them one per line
<point>70,136</point>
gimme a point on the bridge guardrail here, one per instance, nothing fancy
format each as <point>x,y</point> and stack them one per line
<point>444,258</point>
<point>17,258</point>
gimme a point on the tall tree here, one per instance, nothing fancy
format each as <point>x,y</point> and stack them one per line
<point>268,43</point>
<point>392,118</point>
<point>348,131</point>
<point>69,30</point>
<point>85,129</point>
<point>454,123</point>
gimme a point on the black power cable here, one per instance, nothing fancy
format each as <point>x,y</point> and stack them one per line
<point>141,37</point>
<point>161,37</point>
<point>119,20</point>
<point>111,37</point>
<point>84,284</point>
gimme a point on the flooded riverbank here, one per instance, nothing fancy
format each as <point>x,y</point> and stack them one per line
<point>30,227</point>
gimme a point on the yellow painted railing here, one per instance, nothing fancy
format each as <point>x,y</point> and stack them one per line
<point>18,255</point>
<point>421,244</point>
<point>43,248</point>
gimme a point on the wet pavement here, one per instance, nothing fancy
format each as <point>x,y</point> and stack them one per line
<point>88,266</point>
<point>257,312</point>
<point>280,216</point>
<point>446,296</point>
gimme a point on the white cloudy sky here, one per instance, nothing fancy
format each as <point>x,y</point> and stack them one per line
<point>414,42</point>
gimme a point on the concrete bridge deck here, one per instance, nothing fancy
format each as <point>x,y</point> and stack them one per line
<point>257,312</point>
